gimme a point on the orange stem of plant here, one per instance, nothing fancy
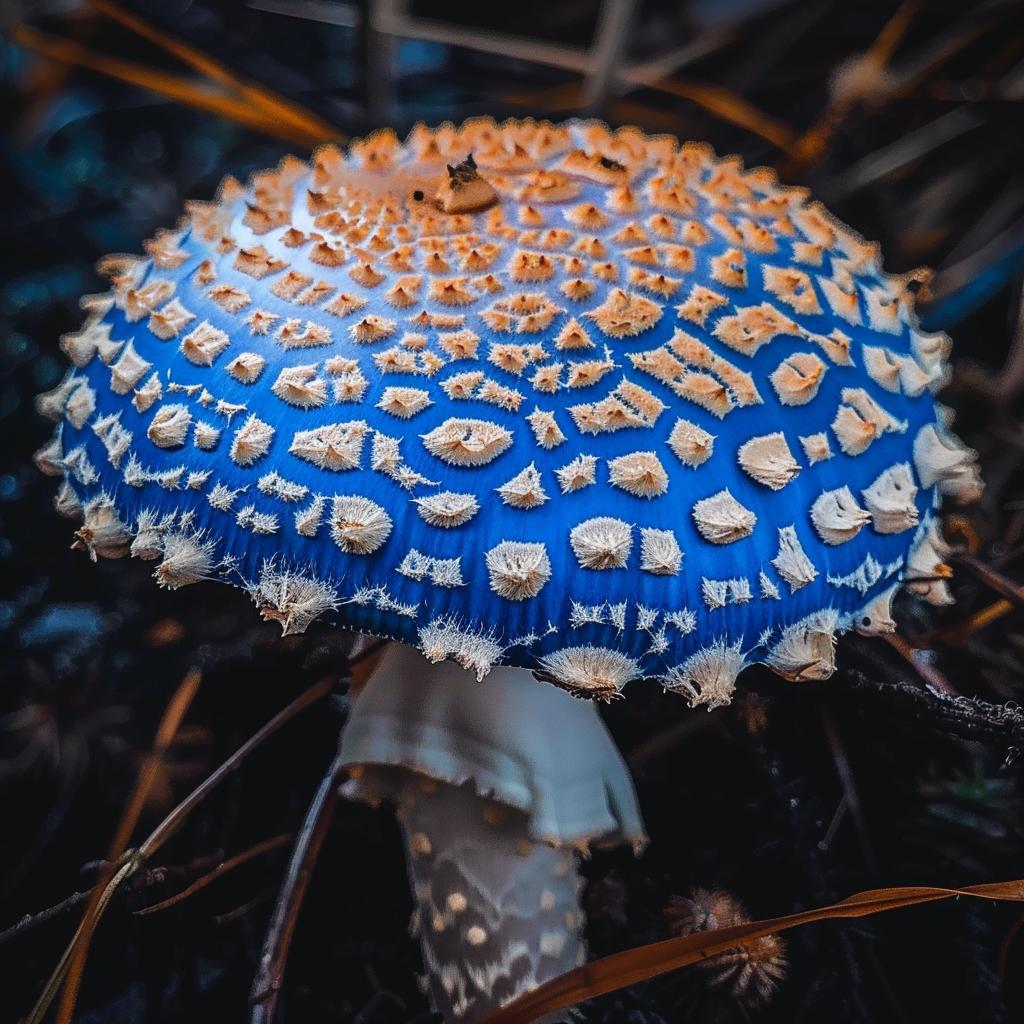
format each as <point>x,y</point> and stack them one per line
<point>635,965</point>
<point>221,869</point>
<point>174,87</point>
<point>956,634</point>
<point>730,107</point>
<point>810,147</point>
<point>175,712</point>
<point>259,96</point>
<point>932,676</point>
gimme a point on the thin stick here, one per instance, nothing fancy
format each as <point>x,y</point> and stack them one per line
<point>234,915</point>
<point>82,935</point>
<point>851,797</point>
<point>997,581</point>
<point>104,890</point>
<point>258,95</point>
<point>668,739</point>
<point>1004,948</point>
<point>957,634</point>
<point>176,818</point>
<point>1010,381</point>
<point>726,106</point>
<point>128,863</point>
<point>931,675</point>
<point>833,826</point>
<point>175,87</point>
<point>221,869</point>
<point>722,103</point>
<point>30,921</point>
<point>811,146</point>
<point>635,965</point>
<point>277,942</point>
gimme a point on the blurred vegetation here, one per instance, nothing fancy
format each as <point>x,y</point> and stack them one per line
<point>907,121</point>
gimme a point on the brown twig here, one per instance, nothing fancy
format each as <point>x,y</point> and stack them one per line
<point>277,941</point>
<point>117,855</point>
<point>30,921</point>
<point>730,107</point>
<point>1004,948</point>
<point>125,865</point>
<point>960,632</point>
<point>1005,588</point>
<point>221,869</point>
<point>128,863</point>
<point>634,965</point>
<point>668,739</point>
<point>234,915</point>
<point>918,658</point>
<point>158,875</point>
<point>176,818</point>
<point>724,104</point>
<point>1010,381</point>
<point>851,797</point>
<point>995,725</point>
<point>214,100</point>
<point>260,97</point>
<point>811,146</point>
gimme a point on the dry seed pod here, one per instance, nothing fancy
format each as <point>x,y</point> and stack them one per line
<point>749,974</point>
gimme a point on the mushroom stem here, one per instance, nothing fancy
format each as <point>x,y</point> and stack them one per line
<point>496,914</point>
<point>499,786</point>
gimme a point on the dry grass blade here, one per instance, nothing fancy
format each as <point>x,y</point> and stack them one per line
<point>635,965</point>
<point>239,912</point>
<point>907,150</point>
<point>1004,587</point>
<point>811,146</point>
<point>259,96</point>
<point>122,863</point>
<point>153,763</point>
<point>668,739</point>
<point>729,107</point>
<point>960,632</point>
<point>1010,382</point>
<point>175,819</point>
<point>722,103</point>
<point>554,99</point>
<point>83,933</point>
<point>221,869</point>
<point>915,655</point>
<point>175,87</point>
<point>278,939</point>
<point>126,864</point>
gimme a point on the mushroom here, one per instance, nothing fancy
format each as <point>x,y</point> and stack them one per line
<point>588,403</point>
<point>499,788</point>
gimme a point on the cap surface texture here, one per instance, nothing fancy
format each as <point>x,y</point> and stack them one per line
<point>588,402</point>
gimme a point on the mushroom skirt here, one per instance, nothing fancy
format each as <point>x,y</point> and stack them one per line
<point>588,402</point>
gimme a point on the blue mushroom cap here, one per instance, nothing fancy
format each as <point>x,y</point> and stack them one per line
<point>583,401</point>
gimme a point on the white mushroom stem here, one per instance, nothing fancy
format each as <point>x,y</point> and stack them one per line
<point>499,786</point>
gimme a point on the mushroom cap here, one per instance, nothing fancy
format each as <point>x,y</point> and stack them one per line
<point>583,401</point>
<point>509,738</point>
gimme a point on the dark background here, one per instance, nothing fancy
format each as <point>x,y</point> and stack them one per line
<point>923,151</point>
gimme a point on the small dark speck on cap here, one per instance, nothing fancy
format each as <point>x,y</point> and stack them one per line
<point>418,195</point>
